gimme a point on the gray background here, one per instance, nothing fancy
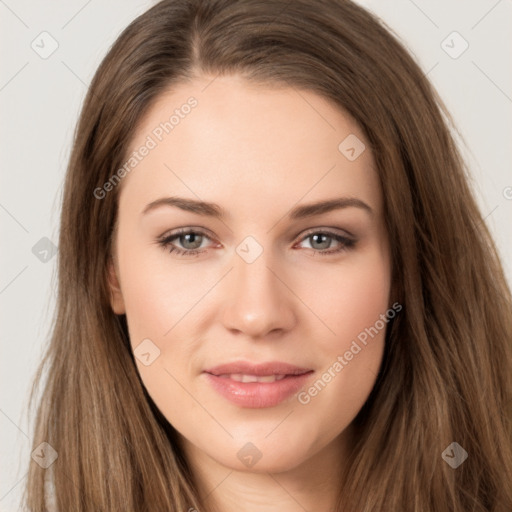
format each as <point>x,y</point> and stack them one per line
<point>40,100</point>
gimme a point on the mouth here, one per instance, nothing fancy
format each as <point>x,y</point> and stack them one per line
<point>241,377</point>
<point>272,368</point>
<point>257,385</point>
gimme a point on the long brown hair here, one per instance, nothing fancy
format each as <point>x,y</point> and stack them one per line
<point>447,370</point>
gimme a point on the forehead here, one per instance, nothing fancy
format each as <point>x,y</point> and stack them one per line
<point>238,142</point>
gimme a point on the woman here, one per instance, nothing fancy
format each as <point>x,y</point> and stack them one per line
<point>370,373</point>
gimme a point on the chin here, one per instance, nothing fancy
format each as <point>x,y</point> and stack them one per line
<point>272,464</point>
<point>254,458</point>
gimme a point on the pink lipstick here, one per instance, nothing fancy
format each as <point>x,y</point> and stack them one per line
<point>257,385</point>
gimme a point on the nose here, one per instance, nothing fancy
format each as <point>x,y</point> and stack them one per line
<point>258,300</point>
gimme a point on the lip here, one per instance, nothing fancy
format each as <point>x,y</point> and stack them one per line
<point>260,369</point>
<point>257,394</point>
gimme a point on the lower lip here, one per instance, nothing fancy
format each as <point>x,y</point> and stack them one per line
<point>257,395</point>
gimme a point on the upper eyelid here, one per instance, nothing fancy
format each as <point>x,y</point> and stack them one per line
<point>333,231</point>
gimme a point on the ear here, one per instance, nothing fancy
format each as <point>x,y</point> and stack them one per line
<point>116,296</point>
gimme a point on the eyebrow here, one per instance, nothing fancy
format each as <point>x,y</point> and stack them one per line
<point>299,212</point>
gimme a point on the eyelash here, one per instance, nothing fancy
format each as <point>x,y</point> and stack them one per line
<point>166,241</point>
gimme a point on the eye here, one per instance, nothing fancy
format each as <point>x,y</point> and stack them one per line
<point>322,240</point>
<point>190,238</point>
<point>191,241</point>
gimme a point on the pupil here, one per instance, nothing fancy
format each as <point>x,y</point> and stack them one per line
<point>319,236</point>
<point>193,235</point>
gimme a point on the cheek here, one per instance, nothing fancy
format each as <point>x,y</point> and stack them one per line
<point>356,293</point>
<point>353,306</point>
<point>157,292</point>
<point>364,297</point>
<point>158,295</point>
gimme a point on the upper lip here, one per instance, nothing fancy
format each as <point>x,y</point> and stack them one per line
<point>261,369</point>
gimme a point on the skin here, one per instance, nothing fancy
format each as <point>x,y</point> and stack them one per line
<point>257,152</point>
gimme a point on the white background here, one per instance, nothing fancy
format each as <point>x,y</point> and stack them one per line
<point>40,101</point>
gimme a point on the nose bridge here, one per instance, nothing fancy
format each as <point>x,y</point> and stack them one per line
<point>257,301</point>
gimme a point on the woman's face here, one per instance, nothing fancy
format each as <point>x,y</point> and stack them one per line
<point>263,280</point>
